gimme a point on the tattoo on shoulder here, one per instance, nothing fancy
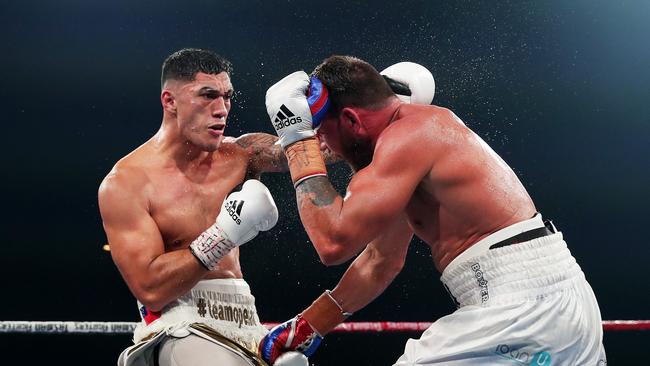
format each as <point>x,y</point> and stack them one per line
<point>318,190</point>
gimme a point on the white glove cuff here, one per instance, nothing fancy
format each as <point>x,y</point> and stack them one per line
<point>296,136</point>
<point>211,246</point>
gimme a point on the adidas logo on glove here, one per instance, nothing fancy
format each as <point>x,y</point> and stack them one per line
<point>234,210</point>
<point>285,118</point>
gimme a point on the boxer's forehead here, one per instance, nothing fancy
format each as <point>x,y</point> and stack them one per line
<point>219,82</point>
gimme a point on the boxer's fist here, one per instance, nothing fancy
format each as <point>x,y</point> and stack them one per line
<point>243,215</point>
<point>293,335</point>
<point>247,212</point>
<point>286,104</point>
<point>417,79</point>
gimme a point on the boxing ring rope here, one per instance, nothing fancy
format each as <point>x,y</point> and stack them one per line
<point>72,327</point>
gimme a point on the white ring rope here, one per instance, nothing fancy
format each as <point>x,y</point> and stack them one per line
<point>72,327</point>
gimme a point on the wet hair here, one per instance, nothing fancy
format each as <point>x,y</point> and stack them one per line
<point>186,63</point>
<point>352,82</point>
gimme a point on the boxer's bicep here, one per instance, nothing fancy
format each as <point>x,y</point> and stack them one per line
<point>378,194</point>
<point>133,235</point>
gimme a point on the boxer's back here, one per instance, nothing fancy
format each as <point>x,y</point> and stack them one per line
<point>184,200</point>
<point>469,192</point>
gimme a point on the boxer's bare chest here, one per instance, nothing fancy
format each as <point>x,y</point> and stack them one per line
<point>184,204</point>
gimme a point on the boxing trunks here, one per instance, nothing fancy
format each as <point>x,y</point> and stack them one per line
<point>220,310</point>
<point>522,300</point>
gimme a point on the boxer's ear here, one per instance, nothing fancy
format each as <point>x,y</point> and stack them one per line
<point>168,101</point>
<point>350,118</point>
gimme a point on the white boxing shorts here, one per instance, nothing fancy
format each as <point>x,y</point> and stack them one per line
<point>221,311</point>
<point>522,304</point>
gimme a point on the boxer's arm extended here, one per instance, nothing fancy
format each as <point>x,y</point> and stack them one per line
<point>341,227</point>
<point>366,278</point>
<point>267,156</point>
<point>375,268</point>
<point>154,277</point>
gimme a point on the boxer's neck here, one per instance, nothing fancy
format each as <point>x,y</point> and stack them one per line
<point>376,121</point>
<point>169,142</point>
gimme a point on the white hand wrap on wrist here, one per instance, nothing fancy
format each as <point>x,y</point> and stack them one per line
<point>211,246</point>
<point>343,312</point>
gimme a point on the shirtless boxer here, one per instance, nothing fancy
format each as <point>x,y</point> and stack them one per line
<point>159,205</point>
<point>521,296</point>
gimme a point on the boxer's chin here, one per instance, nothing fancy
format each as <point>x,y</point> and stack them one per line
<point>213,145</point>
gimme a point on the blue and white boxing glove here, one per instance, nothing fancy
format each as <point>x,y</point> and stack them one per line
<point>417,83</point>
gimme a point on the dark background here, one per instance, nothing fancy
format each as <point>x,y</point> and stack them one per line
<point>559,88</point>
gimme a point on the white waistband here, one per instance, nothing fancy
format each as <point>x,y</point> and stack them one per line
<point>483,245</point>
<point>520,271</point>
<point>226,305</point>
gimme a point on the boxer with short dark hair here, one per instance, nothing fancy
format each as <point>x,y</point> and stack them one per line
<point>174,227</point>
<point>420,170</point>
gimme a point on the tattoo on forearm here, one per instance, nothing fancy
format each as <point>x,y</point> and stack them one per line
<point>265,153</point>
<point>318,190</point>
<point>258,139</point>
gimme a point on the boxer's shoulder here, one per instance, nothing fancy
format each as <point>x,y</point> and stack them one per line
<point>415,114</point>
<point>127,177</point>
<point>414,127</point>
<point>430,125</point>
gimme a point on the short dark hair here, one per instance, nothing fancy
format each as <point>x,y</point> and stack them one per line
<point>186,63</point>
<point>352,82</point>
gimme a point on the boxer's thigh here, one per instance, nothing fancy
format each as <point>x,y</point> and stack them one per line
<point>560,329</point>
<point>196,351</point>
<point>466,337</point>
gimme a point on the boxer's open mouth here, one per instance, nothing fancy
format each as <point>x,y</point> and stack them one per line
<point>217,127</point>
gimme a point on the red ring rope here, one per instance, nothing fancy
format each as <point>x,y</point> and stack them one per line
<point>74,327</point>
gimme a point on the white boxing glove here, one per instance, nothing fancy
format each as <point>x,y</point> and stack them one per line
<point>292,358</point>
<point>286,104</point>
<point>243,215</point>
<point>416,77</point>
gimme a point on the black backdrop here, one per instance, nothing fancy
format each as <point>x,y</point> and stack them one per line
<point>559,89</point>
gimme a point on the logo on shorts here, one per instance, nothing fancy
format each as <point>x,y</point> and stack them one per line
<point>234,210</point>
<point>234,313</point>
<point>522,356</point>
<point>482,282</point>
<point>285,118</point>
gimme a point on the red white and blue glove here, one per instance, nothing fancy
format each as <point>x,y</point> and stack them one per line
<point>304,332</point>
<point>293,335</point>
